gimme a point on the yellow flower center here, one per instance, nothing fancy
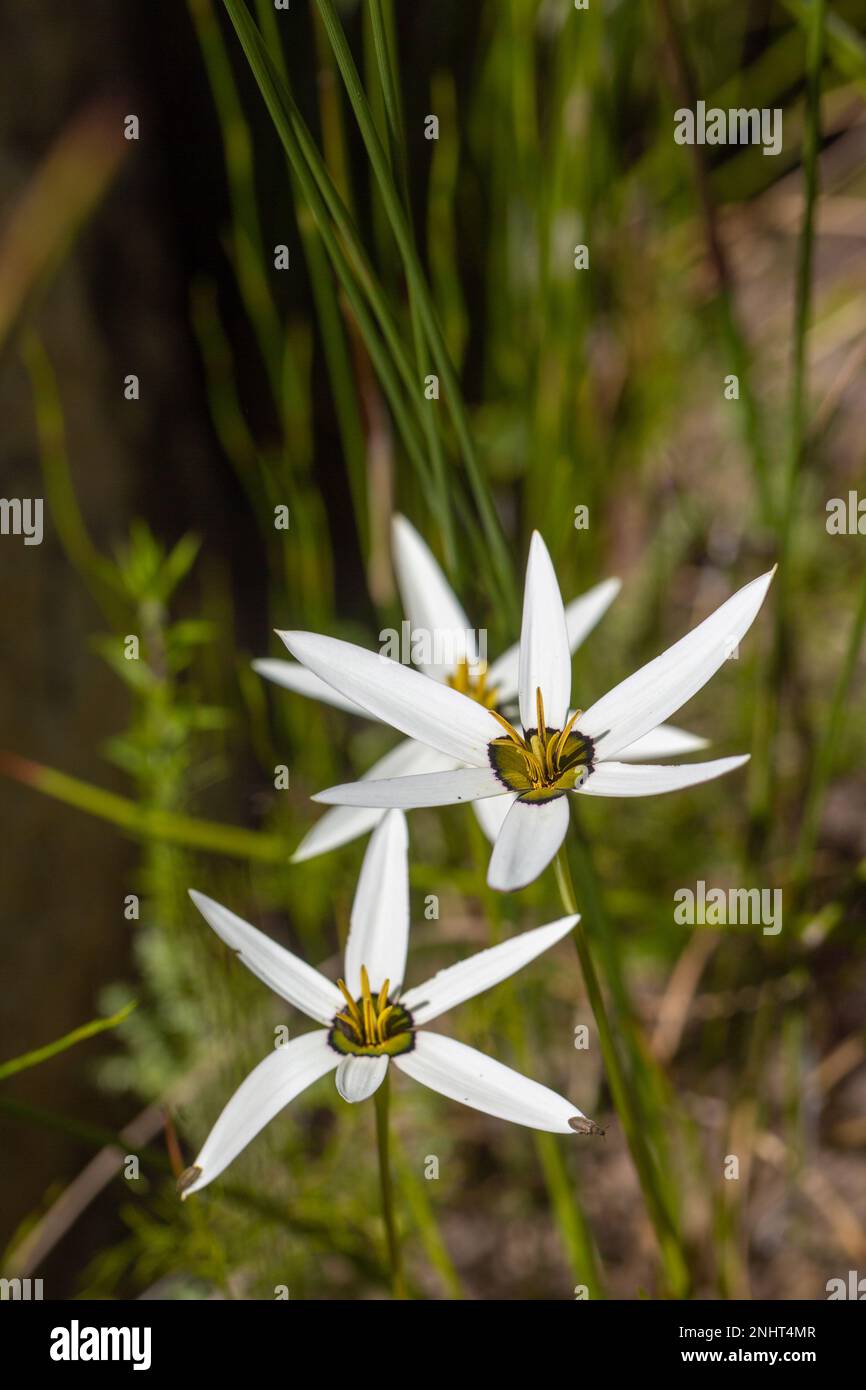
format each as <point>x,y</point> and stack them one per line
<point>542,763</point>
<point>472,681</point>
<point>371,1026</point>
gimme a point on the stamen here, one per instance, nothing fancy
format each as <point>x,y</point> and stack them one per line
<point>563,737</point>
<point>353,1007</point>
<point>539,711</point>
<point>370,1025</point>
<point>471,680</point>
<point>382,1023</point>
<point>509,729</point>
<point>547,767</point>
<point>350,1023</point>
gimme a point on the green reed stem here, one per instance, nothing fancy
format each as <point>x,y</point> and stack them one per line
<point>331,326</point>
<point>763,772</point>
<point>494,535</point>
<point>240,171</point>
<point>414,1190</point>
<point>387,1189</point>
<point>822,762</point>
<point>342,244</point>
<point>560,1181</point>
<point>386,68</point>
<point>150,824</point>
<point>84,1031</point>
<point>670,1244</point>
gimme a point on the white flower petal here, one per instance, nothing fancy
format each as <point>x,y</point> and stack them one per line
<point>281,971</point>
<point>490,812</point>
<point>345,823</point>
<point>429,789</point>
<point>481,971</point>
<point>641,702</point>
<point>359,1077</point>
<point>430,603</point>
<point>291,676</point>
<point>545,660</point>
<point>283,1074</point>
<point>465,1075</point>
<point>410,759</point>
<point>583,613</point>
<point>419,707</point>
<point>648,779</point>
<point>581,616</point>
<point>666,741</point>
<point>503,675</point>
<point>379,927</point>
<point>337,827</point>
<point>529,838</point>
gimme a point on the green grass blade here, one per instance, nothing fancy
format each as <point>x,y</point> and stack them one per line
<point>494,535</point>
<point>84,1031</point>
<point>129,816</point>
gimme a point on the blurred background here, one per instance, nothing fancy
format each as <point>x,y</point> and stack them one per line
<point>230,304</point>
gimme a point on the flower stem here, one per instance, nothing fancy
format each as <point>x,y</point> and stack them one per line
<point>560,1178</point>
<point>668,1237</point>
<point>384,1147</point>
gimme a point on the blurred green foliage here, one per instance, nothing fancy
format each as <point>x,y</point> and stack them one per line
<point>559,388</point>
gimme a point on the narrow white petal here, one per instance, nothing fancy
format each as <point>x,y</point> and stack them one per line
<point>641,702</point>
<point>583,613</point>
<point>463,1074</point>
<point>419,707</point>
<point>490,812</point>
<point>345,823</point>
<point>283,972</point>
<point>430,604</point>
<point>429,789</point>
<point>283,1074</point>
<point>503,675</point>
<point>379,926</point>
<point>359,1077</point>
<point>545,660</point>
<point>291,676</point>
<point>581,616</point>
<point>410,759</point>
<point>648,779</point>
<point>481,971</point>
<point>666,741</point>
<point>337,827</point>
<point>528,840</point>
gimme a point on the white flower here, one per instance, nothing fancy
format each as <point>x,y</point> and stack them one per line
<point>557,750</point>
<point>435,613</point>
<point>371,1021</point>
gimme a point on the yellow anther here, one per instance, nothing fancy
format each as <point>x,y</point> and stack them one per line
<point>548,761</point>
<point>509,729</point>
<point>382,1022</point>
<point>369,1020</point>
<point>350,1023</point>
<point>471,680</point>
<point>353,1007</point>
<point>539,711</point>
<point>563,737</point>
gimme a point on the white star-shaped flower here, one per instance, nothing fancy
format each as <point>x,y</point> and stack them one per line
<point>448,652</point>
<point>370,1021</point>
<point>556,751</point>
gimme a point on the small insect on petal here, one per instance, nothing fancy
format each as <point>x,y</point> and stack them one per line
<point>187,1178</point>
<point>581,1125</point>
